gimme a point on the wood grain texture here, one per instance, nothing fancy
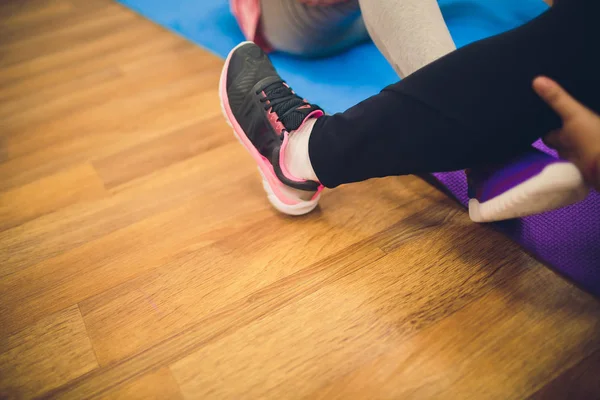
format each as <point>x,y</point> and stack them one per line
<point>155,385</point>
<point>139,257</point>
<point>229,270</point>
<point>486,359</point>
<point>45,355</point>
<point>578,382</point>
<point>48,194</point>
<point>354,320</point>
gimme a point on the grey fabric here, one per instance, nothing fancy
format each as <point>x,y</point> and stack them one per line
<point>409,33</point>
<point>306,30</point>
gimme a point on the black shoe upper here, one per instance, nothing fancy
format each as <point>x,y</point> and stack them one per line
<point>264,105</point>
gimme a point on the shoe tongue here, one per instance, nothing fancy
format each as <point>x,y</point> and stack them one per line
<point>293,119</point>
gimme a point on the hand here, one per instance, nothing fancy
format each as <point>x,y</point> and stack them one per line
<point>578,140</point>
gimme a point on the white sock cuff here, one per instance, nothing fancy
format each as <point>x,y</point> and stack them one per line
<point>297,159</point>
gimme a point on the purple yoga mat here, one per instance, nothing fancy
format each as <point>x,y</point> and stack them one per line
<point>567,239</point>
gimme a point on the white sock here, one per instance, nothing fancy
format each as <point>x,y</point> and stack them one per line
<point>297,160</point>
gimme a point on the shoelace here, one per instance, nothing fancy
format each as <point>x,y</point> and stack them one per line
<point>285,103</point>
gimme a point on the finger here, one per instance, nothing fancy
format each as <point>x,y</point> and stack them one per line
<point>557,98</point>
<point>596,175</point>
<point>553,139</point>
<point>591,170</point>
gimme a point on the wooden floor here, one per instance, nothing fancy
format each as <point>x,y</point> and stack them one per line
<point>140,259</point>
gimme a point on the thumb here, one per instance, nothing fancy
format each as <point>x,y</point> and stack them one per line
<point>557,98</point>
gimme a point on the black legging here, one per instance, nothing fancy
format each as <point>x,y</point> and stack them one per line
<point>471,107</point>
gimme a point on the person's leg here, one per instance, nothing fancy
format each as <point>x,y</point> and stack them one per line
<point>412,34</point>
<point>471,107</point>
<point>302,29</point>
<point>409,33</point>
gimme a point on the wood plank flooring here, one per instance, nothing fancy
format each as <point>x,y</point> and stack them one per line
<point>139,257</point>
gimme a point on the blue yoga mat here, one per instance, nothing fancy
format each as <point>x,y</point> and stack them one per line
<point>335,83</point>
<point>567,239</point>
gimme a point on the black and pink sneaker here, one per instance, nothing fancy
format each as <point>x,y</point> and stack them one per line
<point>263,112</point>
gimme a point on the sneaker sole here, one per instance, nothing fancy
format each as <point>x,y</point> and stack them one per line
<point>558,185</point>
<point>270,180</point>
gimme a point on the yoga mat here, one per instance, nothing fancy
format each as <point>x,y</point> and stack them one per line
<point>567,239</point>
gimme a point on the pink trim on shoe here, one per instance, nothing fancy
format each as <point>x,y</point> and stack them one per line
<point>284,169</point>
<point>274,119</point>
<point>286,172</point>
<point>264,164</point>
<point>318,193</point>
